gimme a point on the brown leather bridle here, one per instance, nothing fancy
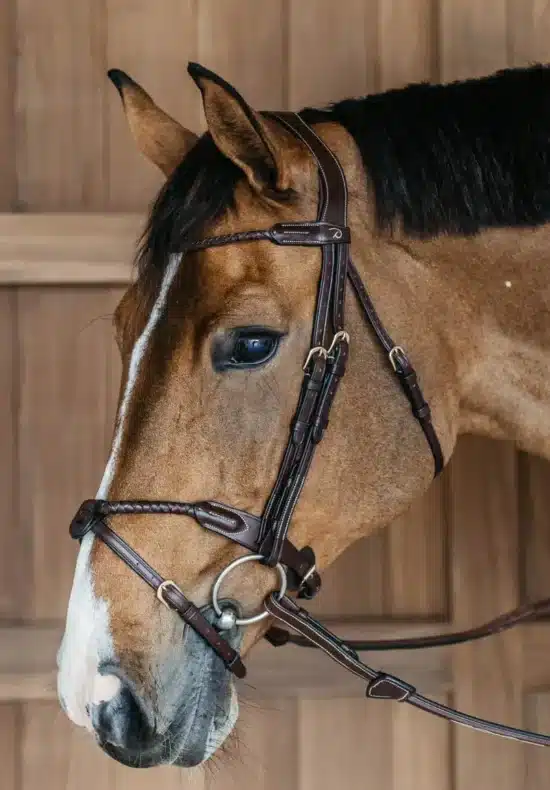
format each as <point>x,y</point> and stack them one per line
<point>266,536</point>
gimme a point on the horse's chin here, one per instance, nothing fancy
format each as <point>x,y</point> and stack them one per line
<point>193,738</point>
<point>195,708</point>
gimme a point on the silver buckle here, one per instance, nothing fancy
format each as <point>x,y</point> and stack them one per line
<point>315,350</point>
<point>160,592</point>
<point>393,354</point>
<point>338,338</point>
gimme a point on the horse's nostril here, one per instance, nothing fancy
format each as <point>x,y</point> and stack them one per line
<point>121,721</point>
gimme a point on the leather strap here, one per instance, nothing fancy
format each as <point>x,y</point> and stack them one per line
<point>237,525</point>
<point>402,367</point>
<point>172,596</point>
<point>295,234</point>
<point>527,613</point>
<point>382,685</point>
<point>321,381</point>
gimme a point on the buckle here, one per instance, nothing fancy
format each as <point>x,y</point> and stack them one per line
<point>161,590</point>
<point>316,350</point>
<point>397,358</point>
<point>340,337</point>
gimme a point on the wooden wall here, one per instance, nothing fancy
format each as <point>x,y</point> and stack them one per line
<point>74,189</point>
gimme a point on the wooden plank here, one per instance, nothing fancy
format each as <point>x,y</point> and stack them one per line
<point>417,558</point>
<point>263,752</point>
<point>52,747</point>
<point>528,32</point>
<point>473,38</point>
<point>344,741</point>
<point>400,571</point>
<point>536,649</point>
<point>537,761</point>
<point>27,664</point>
<point>113,372</point>
<point>421,749</point>
<point>408,42</point>
<point>153,42</point>
<point>332,50</point>
<point>367,563</point>
<point>255,64</point>
<point>485,562</point>
<point>67,248</point>
<point>394,745</point>
<point>8,189</point>
<point>12,540</point>
<point>60,98</point>
<point>62,416</point>
<point>534,504</point>
<point>9,746</point>
<point>165,778</point>
<point>263,757</point>
<point>308,672</point>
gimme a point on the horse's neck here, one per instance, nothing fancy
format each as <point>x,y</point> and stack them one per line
<point>473,311</point>
<point>485,303</point>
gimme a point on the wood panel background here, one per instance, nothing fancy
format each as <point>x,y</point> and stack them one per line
<point>74,191</point>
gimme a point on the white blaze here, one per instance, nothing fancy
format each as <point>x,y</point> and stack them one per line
<point>87,640</point>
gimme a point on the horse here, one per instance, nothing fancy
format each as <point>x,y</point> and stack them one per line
<point>441,205</point>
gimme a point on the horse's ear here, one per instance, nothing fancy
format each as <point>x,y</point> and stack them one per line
<point>243,135</point>
<point>158,136</point>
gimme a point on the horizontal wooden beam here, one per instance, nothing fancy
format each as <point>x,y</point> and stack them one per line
<point>27,664</point>
<point>68,249</point>
<point>293,671</point>
<point>536,656</point>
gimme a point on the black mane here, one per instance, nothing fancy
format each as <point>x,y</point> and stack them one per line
<point>452,158</point>
<point>459,157</point>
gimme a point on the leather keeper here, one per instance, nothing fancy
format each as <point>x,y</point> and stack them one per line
<point>389,687</point>
<point>309,234</point>
<point>88,513</point>
<point>413,392</point>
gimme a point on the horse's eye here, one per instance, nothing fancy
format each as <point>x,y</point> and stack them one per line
<point>246,348</point>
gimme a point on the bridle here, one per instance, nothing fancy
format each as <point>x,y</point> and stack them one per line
<point>266,536</point>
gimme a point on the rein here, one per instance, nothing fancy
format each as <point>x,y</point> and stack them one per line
<point>266,536</point>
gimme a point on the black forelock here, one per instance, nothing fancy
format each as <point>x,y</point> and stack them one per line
<point>199,190</point>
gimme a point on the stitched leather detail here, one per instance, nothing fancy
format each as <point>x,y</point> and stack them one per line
<point>389,687</point>
<point>187,610</point>
<point>381,685</point>
<point>84,519</point>
<point>312,234</point>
